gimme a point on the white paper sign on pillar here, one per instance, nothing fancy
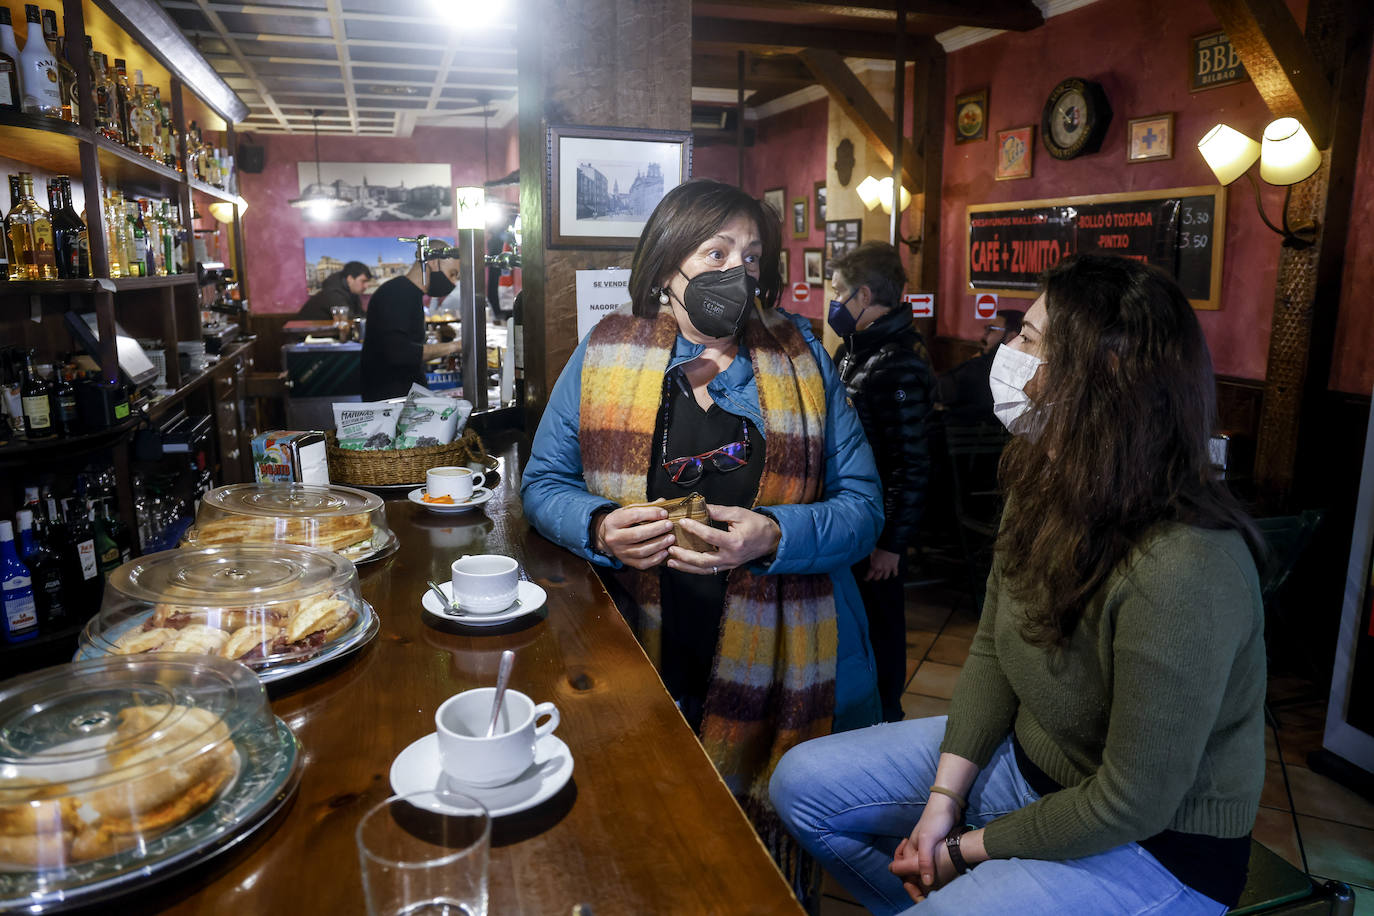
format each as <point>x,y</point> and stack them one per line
<point>600,292</point>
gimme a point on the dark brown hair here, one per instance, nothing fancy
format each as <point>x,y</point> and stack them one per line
<point>688,215</point>
<point>1131,405</point>
<point>878,266</point>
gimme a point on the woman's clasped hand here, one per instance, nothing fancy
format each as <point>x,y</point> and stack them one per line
<point>642,537</point>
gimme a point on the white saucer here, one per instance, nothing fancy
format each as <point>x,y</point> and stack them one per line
<point>479,496</point>
<point>529,598</point>
<point>417,769</point>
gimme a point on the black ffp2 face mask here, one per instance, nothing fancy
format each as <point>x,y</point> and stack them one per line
<point>718,301</point>
<point>439,284</point>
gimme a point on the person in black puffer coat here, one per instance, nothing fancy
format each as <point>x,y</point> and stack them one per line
<point>884,365</point>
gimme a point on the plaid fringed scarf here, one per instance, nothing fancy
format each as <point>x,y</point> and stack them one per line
<point>773,681</point>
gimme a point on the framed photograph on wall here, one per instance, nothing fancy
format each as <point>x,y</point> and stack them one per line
<point>603,182</point>
<point>971,116</point>
<point>819,192</point>
<point>776,198</point>
<point>800,229</point>
<point>841,236</point>
<point>783,268</point>
<point>1015,147</point>
<point>1150,138</point>
<point>813,263</point>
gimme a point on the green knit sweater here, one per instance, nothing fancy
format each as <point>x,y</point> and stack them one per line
<point>1151,716</point>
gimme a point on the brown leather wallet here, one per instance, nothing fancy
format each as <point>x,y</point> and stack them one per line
<point>693,506</point>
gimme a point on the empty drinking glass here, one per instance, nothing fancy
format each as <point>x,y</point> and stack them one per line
<point>425,854</point>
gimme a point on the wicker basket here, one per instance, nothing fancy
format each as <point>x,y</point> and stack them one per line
<point>390,467</point>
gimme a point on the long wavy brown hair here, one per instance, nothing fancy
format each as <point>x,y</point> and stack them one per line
<point>1128,405</point>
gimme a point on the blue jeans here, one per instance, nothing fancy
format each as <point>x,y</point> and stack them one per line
<point>850,798</point>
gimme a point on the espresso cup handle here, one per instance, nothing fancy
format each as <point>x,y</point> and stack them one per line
<point>545,709</point>
<point>477,480</point>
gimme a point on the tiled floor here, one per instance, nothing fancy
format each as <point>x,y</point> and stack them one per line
<point>1337,825</point>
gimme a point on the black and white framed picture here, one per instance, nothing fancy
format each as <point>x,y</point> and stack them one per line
<point>800,229</point>
<point>841,236</point>
<point>383,191</point>
<point>603,182</point>
<point>776,200</point>
<point>783,271</point>
<point>813,261</point>
<point>819,189</point>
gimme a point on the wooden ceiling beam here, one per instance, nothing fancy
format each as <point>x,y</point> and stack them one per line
<point>718,71</point>
<point>922,15</point>
<point>740,34</point>
<point>1279,61</point>
<point>863,109</point>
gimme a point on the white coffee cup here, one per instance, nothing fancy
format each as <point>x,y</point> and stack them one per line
<point>455,482</point>
<point>467,755</point>
<point>484,583</point>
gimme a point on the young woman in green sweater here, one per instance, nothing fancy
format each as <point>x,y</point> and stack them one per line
<point>1104,747</point>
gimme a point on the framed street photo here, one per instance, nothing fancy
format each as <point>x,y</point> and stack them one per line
<point>776,198</point>
<point>813,261</point>
<point>841,236</point>
<point>1015,147</point>
<point>783,271</point>
<point>603,182</point>
<point>819,190</point>
<point>1150,138</point>
<point>971,116</point>
<point>800,229</point>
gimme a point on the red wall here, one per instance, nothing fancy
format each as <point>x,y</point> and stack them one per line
<point>1137,50</point>
<point>275,233</point>
<point>789,152</point>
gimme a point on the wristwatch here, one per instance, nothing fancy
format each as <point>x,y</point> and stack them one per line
<point>952,847</point>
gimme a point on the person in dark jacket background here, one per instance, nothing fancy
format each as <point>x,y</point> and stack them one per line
<point>963,391</point>
<point>394,348</point>
<point>341,288</point>
<point>884,365</point>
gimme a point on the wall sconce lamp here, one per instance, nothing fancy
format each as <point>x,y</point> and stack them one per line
<point>1286,157</point>
<point>873,191</point>
<point>223,211</point>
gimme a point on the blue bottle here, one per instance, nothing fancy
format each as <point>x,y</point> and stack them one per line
<point>18,613</point>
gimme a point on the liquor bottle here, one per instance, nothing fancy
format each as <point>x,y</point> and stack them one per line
<point>114,238</point>
<point>138,258</point>
<point>83,572</point>
<point>122,94</point>
<point>82,266</point>
<point>12,381</point>
<point>171,238</point>
<point>140,119</point>
<point>10,97</point>
<point>45,570</point>
<point>64,403</point>
<point>66,74</point>
<point>11,265</point>
<point>35,395</point>
<point>66,235</point>
<point>106,98</point>
<point>157,231</point>
<point>38,76</point>
<point>29,228</point>
<point>20,614</point>
<point>106,550</point>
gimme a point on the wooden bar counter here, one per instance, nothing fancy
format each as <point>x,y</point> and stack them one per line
<point>645,825</point>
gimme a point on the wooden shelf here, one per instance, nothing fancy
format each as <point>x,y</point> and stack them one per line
<point>25,450</point>
<point>212,191</point>
<point>125,168</point>
<point>47,143</point>
<point>51,642</point>
<point>60,287</point>
<point>131,283</point>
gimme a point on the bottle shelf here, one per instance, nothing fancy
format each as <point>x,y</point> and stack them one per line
<point>59,287</point>
<point>212,191</point>
<point>26,449</point>
<point>122,166</point>
<point>51,642</point>
<point>42,142</point>
<point>131,283</point>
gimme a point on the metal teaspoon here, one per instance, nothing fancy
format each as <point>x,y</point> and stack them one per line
<point>502,678</point>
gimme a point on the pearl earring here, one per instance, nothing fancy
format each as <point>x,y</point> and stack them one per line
<point>663,297</point>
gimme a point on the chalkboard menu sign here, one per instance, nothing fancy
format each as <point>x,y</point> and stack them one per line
<point>1180,230</point>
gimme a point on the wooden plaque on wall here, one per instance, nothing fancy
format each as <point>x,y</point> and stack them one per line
<point>1180,230</point>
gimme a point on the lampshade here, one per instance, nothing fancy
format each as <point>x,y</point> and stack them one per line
<point>1288,154</point>
<point>470,208</point>
<point>1228,152</point>
<point>885,195</point>
<point>869,190</point>
<point>223,210</point>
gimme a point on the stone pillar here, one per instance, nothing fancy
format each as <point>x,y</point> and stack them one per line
<point>602,63</point>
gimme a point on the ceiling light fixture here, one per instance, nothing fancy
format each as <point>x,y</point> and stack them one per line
<point>318,201</point>
<point>1286,157</point>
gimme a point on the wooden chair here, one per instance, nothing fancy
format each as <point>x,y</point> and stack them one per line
<point>974,452</point>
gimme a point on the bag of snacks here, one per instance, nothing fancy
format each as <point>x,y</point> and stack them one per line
<point>366,427</point>
<point>430,419</point>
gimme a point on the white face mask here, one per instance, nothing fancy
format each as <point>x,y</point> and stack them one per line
<point>1011,371</point>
